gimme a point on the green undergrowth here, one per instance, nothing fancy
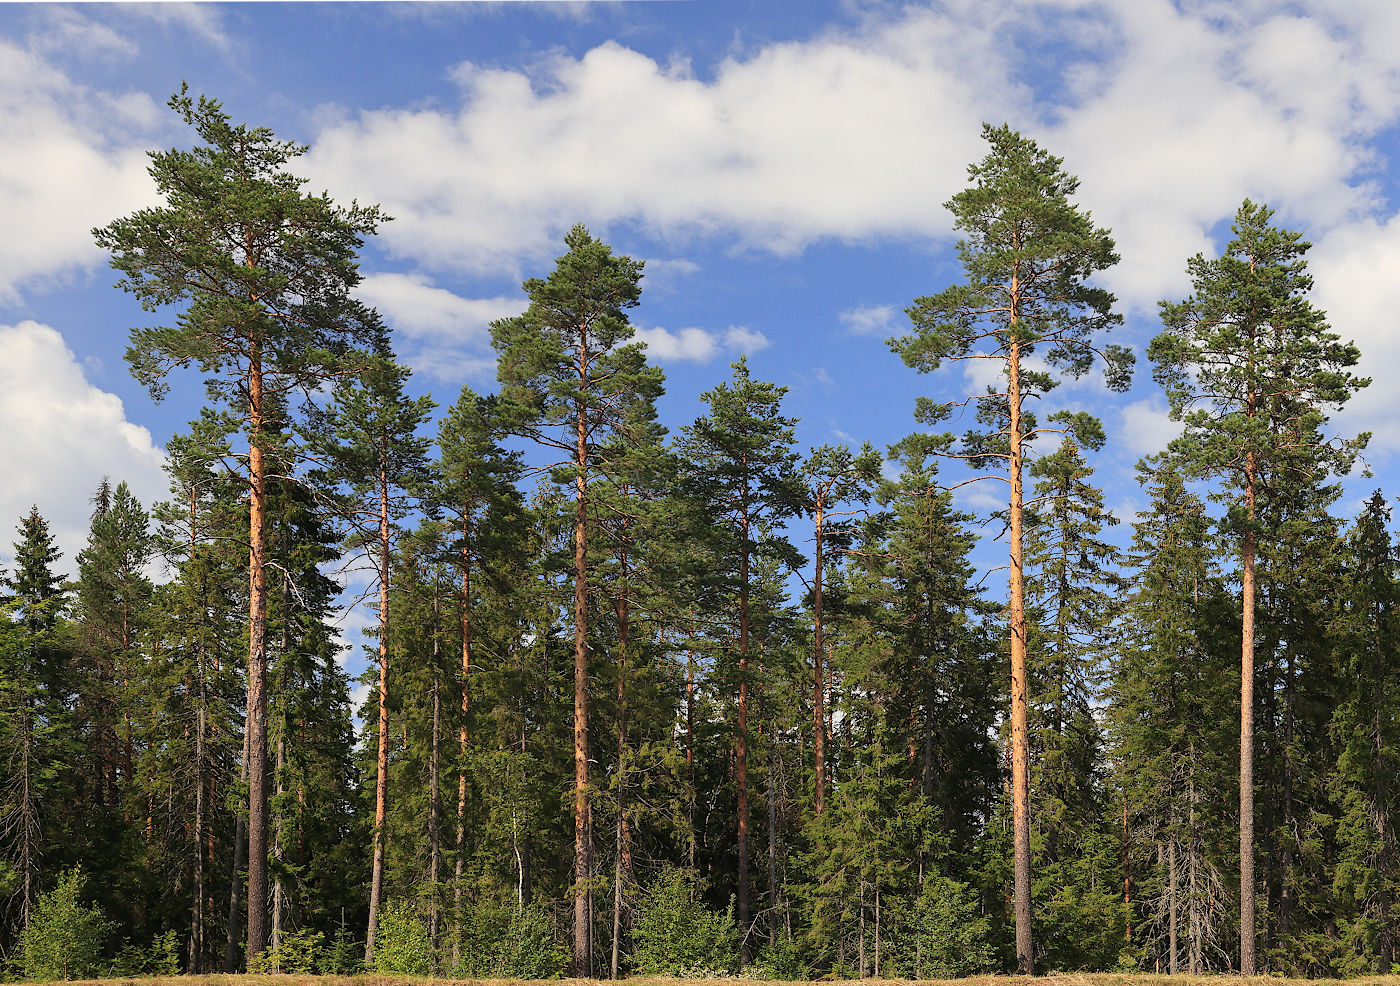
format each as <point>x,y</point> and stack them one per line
<point>1057,979</point>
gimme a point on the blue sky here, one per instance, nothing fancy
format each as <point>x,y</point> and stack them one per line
<point>780,165</point>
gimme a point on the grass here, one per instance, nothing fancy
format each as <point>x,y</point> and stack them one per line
<point>1056,979</point>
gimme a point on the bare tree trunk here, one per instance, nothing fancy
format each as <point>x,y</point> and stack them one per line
<point>774,889</point>
<point>690,757</point>
<point>434,804</point>
<point>1173,890</point>
<point>583,847</point>
<point>463,744</point>
<point>819,723</point>
<point>381,777</point>
<point>257,662</point>
<point>741,739</point>
<point>196,943</point>
<point>1247,919</point>
<point>1016,612</point>
<point>239,842</point>
<point>279,890</point>
<point>622,864</point>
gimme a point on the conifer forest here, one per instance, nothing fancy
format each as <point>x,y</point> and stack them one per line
<point>697,700</point>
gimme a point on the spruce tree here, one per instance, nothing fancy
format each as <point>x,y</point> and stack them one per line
<point>1028,255</point>
<point>1251,368</point>
<point>263,274</point>
<point>35,727</point>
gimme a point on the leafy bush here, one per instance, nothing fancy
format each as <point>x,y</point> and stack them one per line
<point>950,937</point>
<point>674,934</point>
<point>300,953</point>
<point>502,941</point>
<point>401,944</point>
<point>782,960</point>
<point>64,938</point>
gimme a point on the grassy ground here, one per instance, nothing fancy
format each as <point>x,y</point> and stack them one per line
<point>1063,979</point>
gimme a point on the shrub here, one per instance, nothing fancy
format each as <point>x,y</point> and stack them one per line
<point>950,935</point>
<point>674,934</point>
<point>64,938</point>
<point>503,941</point>
<point>401,944</point>
<point>783,960</point>
<point>299,953</point>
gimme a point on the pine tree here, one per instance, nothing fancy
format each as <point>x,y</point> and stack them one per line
<point>831,478</point>
<point>264,274</point>
<point>740,466</point>
<point>368,437</point>
<point>1250,367</point>
<point>568,376</point>
<point>1028,254</point>
<point>474,486</point>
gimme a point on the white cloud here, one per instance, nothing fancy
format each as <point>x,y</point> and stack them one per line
<point>1145,428</point>
<point>744,340</point>
<point>1356,272</point>
<point>698,345</point>
<point>693,345</point>
<point>871,320</point>
<point>440,333</point>
<point>844,136</point>
<point>1184,114</point>
<point>65,434</point>
<point>70,160</point>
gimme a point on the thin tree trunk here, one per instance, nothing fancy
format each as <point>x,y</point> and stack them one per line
<point>463,741</point>
<point>279,890</point>
<point>381,777</point>
<point>257,661</point>
<point>690,757</point>
<point>434,804</point>
<point>583,848</point>
<point>622,864</point>
<point>1020,746</point>
<point>774,889</point>
<point>1247,920</point>
<point>818,651</point>
<point>1173,890</point>
<point>239,842</point>
<point>741,740</point>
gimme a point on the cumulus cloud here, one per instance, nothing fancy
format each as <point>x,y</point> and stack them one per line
<point>1357,276</point>
<point>846,136</point>
<point>439,333</point>
<point>871,320</point>
<point>1145,428</point>
<point>699,345</point>
<point>70,160</point>
<point>67,434</point>
<point>1185,110</point>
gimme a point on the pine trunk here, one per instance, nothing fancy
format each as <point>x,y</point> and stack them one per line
<point>463,741</point>
<point>1247,919</point>
<point>257,665</point>
<point>741,740</point>
<point>1020,746</point>
<point>381,776</point>
<point>583,848</point>
<point>818,650</point>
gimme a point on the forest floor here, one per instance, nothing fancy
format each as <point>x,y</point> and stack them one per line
<point>1061,979</point>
